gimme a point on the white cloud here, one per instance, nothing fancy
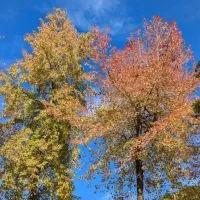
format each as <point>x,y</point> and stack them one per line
<point>103,13</point>
<point>111,13</point>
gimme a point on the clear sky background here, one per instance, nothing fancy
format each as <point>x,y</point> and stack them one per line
<point>18,17</point>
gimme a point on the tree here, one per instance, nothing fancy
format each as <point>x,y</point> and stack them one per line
<point>44,96</point>
<point>143,122</point>
<point>197,70</point>
<point>196,105</point>
<point>192,193</point>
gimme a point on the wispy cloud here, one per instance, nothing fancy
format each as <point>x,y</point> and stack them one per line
<point>103,13</point>
<point>7,15</point>
<point>111,13</point>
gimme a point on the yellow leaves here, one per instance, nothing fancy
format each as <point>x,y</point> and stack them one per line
<point>143,113</point>
<point>64,190</point>
<point>27,155</point>
<point>45,99</point>
<point>5,84</point>
<point>65,105</point>
<point>14,70</point>
<point>19,158</point>
<point>190,192</point>
<point>58,51</point>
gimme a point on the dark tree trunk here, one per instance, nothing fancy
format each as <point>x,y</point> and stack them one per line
<point>34,194</point>
<point>138,166</point>
<point>139,179</point>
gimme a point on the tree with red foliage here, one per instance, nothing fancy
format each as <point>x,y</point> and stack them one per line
<point>144,118</point>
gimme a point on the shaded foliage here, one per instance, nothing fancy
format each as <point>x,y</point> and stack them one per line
<point>192,193</point>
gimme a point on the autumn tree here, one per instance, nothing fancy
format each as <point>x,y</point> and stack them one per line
<point>197,70</point>
<point>44,97</point>
<point>143,124</point>
<point>192,193</point>
<point>196,105</point>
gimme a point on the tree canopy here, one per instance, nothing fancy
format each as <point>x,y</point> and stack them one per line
<point>192,192</point>
<point>44,95</point>
<point>144,120</point>
<point>137,105</point>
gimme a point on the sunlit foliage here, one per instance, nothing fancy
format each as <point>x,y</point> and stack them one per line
<point>44,96</point>
<point>145,117</point>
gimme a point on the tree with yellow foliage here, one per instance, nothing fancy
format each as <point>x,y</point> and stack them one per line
<point>44,95</point>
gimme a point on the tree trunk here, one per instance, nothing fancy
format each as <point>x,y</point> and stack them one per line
<point>139,179</point>
<point>138,166</point>
<point>34,194</point>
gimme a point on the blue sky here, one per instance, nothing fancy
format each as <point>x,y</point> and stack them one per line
<point>18,17</point>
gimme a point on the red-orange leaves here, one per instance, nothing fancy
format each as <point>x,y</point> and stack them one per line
<point>149,76</point>
<point>147,106</point>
